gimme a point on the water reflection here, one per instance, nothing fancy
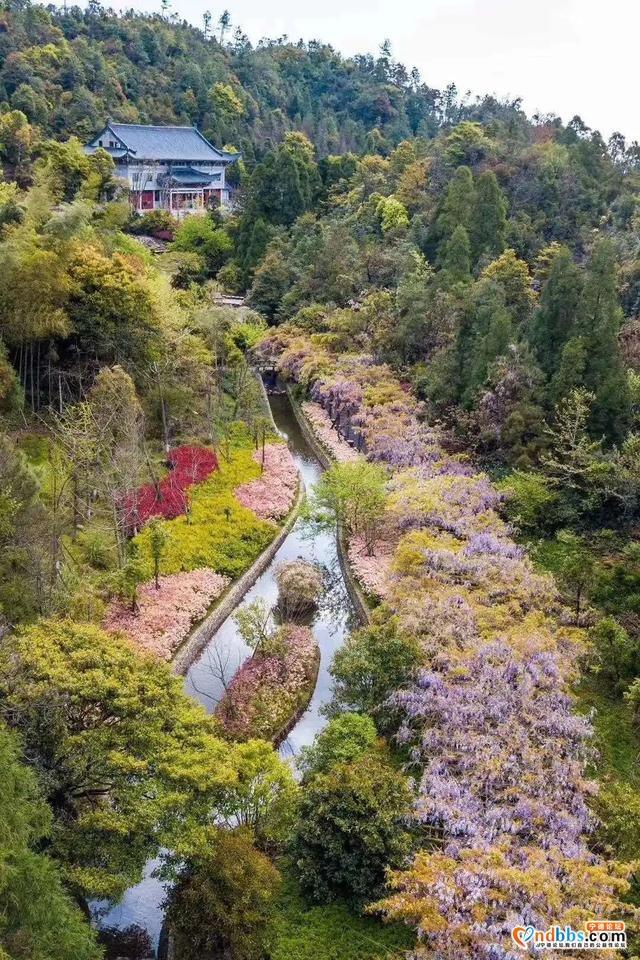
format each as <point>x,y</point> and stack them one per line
<point>226,651</point>
<point>333,618</point>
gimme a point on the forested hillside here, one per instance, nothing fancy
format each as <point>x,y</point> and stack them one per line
<point>69,71</point>
<point>450,291</point>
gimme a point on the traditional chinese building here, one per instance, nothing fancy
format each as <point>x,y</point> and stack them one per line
<point>167,168</point>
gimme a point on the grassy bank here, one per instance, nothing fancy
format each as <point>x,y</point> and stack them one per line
<point>331,931</point>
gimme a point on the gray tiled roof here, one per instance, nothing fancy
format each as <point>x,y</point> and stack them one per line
<point>166,143</point>
<point>188,176</point>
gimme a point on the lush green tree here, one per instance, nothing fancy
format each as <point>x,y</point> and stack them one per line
<point>575,464</point>
<point>128,579</point>
<point>413,332</point>
<point>112,416</point>
<point>351,828</point>
<point>336,168</point>
<point>512,274</point>
<point>118,748</point>
<point>485,333</point>
<point>327,265</point>
<point>554,321</point>
<point>617,806</point>
<point>34,295</point>
<point>271,281</point>
<point>263,795</point>
<point>112,312</point>
<point>393,215</point>
<point>569,374</point>
<point>467,143</point>
<point>253,238</point>
<point>488,225</point>
<point>222,904</point>
<point>17,143</point>
<point>255,625</point>
<point>531,501</point>
<point>25,574</point>
<point>372,663</point>
<point>11,208</point>
<point>201,235</point>
<point>285,184</point>
<point>570,559</point>
<point>458,203</point>
<point>632,696</point>
<point>38,919</point>
<point>455,259</point>
<point>345,738</point>
<point>352,494</point>
<point>11,397</point>
<point>616,655</point>
<point>598,323</point>
<point>64,168</point>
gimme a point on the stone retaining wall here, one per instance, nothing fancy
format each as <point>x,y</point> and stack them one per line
<point>226,604</point>
<point>356,594</point>
<point>324,458</point>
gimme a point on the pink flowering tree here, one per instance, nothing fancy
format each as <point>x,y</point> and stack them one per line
<point>164,615</point>
<point>271,496</point>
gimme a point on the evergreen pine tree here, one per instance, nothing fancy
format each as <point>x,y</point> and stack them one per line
<point>485,333</point>
<point>456,256</point>
<point>554,322</point>
<point>598,323</point>
<point>488,219</point>
<point>458,203</point>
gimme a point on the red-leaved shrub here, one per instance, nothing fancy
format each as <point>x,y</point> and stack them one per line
<point>188,465</point>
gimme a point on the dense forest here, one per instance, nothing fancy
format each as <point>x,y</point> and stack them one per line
<point>450,290</point>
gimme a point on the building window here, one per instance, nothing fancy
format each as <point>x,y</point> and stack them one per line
<point>157,196</point>
<point>99,143</point>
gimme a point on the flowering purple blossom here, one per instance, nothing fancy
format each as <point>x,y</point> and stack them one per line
<point>487,543</point>
<point>488,724</point>
<point>500,750</point>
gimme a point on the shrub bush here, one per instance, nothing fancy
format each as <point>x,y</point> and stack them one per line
<point>269,689</point>
<point>219,532</point>
<point>351,829</point>
<point>299,585</point>
<point>168,499</point>
<point>222,904</point>
<point>272,494</point>
<point>153,222</point>
<point>163,616</point>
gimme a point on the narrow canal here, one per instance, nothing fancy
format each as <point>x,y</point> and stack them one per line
<point>226,651</point>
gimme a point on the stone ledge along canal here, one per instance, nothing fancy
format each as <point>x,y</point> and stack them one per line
<point>335,616</point>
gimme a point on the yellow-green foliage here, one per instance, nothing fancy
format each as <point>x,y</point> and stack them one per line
<point>409,556</point>
<point>219,533</point>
